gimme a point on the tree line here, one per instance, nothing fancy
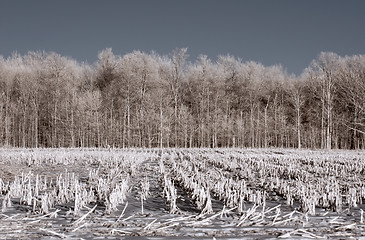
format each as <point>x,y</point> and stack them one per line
<point>149,100</point>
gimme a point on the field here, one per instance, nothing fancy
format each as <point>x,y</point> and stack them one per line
<point>181,193</point>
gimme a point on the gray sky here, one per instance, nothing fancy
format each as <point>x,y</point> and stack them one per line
<point>286,32</point>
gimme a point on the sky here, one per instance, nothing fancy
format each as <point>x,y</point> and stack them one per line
<point>287,32</point>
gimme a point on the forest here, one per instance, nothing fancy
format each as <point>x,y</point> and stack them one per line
<point>150,100</point>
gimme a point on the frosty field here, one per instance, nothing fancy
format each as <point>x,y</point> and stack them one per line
<point>181,193</point>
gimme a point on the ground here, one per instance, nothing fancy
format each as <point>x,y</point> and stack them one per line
<point>271,220</point>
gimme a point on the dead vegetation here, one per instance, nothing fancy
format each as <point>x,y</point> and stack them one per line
<point>67,193</point>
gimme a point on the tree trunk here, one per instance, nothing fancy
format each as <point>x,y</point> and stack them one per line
<point>161,126</point>
<point>329,113</point>
<point>35,125</point>
<point>128,122</point>
<point>175,121</point>
<point>298,128</point>
<point>258,133</point>
<point>265,127</point>
<point>252,127</point>
<point>322,125</point>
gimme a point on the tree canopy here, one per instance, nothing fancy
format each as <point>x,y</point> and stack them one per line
<point>148,100</point>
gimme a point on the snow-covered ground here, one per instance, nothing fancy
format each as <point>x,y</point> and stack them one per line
<point>185,193</point>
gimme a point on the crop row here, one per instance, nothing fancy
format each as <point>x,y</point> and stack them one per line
<point>314,179</point>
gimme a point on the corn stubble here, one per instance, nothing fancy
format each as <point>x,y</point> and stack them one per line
<point>244,182</point>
